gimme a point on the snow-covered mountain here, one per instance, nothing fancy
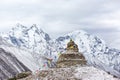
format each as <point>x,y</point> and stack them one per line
<point>31,38</point>
<point>40,44</point>
<point>10,65</point>
<point>95,51</point>
<point>14,60</point>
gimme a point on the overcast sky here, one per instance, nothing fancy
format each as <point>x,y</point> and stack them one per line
<point>57,17</point>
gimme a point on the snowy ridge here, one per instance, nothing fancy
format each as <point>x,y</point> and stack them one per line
<point>40,44</point>
<point>31,38</point>
<point>95,51</point>
<point>23,56</point>
<point>10,65</point>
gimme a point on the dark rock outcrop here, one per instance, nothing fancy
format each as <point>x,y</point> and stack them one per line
<point>10,65</point>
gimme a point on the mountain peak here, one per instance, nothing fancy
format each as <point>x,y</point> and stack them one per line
<point>27,37</point>
<point>19,26</point>
<point>20,29</point>
<point>77,32</point>
<point>36,29</point>
<point>34,26</point>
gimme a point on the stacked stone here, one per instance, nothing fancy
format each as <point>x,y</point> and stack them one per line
<point>71,57</point>
<point>72,46</point>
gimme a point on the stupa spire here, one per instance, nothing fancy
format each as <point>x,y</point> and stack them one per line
<point>71,46</point>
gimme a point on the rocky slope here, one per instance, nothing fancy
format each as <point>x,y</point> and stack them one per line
<point>14,60</point>
<point>10,65</point>
<point>73,73</point>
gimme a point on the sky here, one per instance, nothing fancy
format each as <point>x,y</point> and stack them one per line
<point>58,17</point>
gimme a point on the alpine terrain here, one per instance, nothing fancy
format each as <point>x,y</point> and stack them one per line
<point>9,64</point>
<point>34,50</point>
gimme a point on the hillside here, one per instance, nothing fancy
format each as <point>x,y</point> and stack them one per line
<point>73,73</point>
<point>10,65</point>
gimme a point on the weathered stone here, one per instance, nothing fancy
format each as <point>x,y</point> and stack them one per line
<point>23,75</point>
<point>72,46</point>
<point>71,57</point>
<point>67,60</point>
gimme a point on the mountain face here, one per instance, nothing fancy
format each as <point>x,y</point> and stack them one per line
<point>15,60</point>
<point>95,51</point>
<point>40,44</point>
<point>10,65</point>
<point>23,55</point>
<point>30,38</point>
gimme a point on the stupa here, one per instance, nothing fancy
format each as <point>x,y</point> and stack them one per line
<point>72,47</point>
<point>71,57</point>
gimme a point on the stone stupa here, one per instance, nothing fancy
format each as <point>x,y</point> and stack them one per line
<point>71,57</point>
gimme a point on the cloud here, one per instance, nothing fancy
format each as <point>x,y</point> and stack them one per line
<point>58,17</point>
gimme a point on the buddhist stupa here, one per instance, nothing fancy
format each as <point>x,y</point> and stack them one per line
<point>71,57</point>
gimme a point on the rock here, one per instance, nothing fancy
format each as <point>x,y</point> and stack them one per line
<point>71,57</point>
<point>73,73</point>
<point>21,75</point>
<point>72,46</point>
<point>67,60</point>
<point>43,73</point>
